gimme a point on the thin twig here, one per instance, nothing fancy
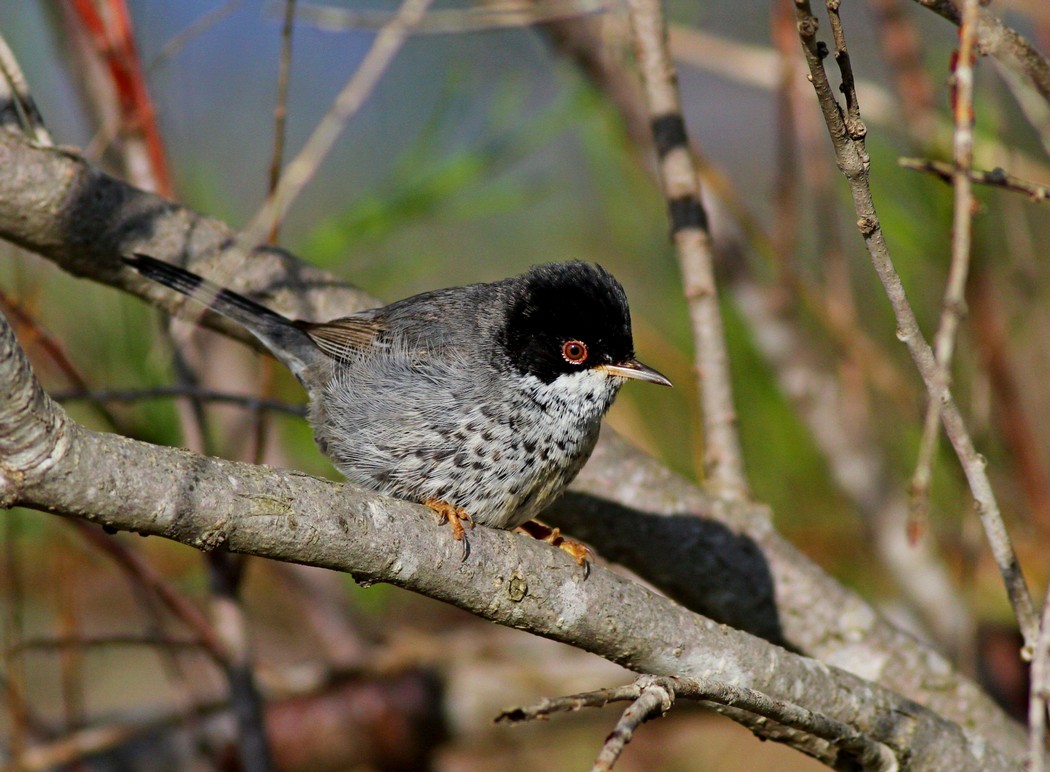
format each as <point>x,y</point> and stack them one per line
<point>301,169</point>
<point>787,179</point>
<point>454,21</point>
<point>70,658</point>
<point>357,89</point>
<point>692,239</point>
<point>852,159</point>
<point>13,628</point>
<point>194,30</point>
<point>655,699</point>
<point>146,576</point>
<point>225,572</point>
<point>280,110</point>
<point>755,66</point>
<point>19,99</point>
<point>1016,424</point>
<point>103,641</point>
<point>901,47</point>
<point>656,694</point>
<point>1039,695</point>
<point>996,39</point>
<point>996,178</point>
<point>954,304</point>
<point>53,348</point>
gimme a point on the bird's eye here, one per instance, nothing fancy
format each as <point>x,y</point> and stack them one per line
<point>574,351</point>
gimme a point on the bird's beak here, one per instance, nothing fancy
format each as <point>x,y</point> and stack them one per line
<point>636,371</point>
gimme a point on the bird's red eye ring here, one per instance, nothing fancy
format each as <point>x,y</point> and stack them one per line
<point>574,352</point>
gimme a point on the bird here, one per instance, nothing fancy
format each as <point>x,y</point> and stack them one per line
<point>482,402</point>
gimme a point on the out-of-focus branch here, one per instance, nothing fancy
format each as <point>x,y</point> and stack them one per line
<point>902,48</point>
<point>1015,422</point>
<point>995,39</point>
<point>1039,696</point>
<point>651,696</point>
<point>954,304</point>
<point>996,178</point>
<point>280,110</point>
<point>18,102</point>
<point>104,42</point>
<point>456,21</point>
<point>692,238</point>
<point>301,169</point>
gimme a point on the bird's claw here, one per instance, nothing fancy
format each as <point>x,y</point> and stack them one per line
<point>580,552</point>
<point>455,517</point>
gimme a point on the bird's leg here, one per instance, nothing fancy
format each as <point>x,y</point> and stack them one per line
<point>580,552</point>
<point>456,517</point>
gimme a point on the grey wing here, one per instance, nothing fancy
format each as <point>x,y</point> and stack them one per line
<point>426,324</point>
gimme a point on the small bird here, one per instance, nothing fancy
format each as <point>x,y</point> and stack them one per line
<point>482,402</point>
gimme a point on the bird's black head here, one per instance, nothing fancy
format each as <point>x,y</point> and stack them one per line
<point>567,317</point>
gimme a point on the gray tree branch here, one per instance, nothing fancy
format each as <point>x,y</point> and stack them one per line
<point>722,559</point>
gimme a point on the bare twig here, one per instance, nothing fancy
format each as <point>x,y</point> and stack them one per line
<point>995,39</point>
<point>852,158</point>
<point>954,304</point>
<point>147,576</point>
<point>996,178</point>
<point>655,695</point>
<point>1039,695</point>
<point>19,99</point>
<point>654,699</point>
<point>902,48</point>
<point>280,110</point>
<point>496,15</point>
<point>357,89</point>
<point>58,356</point>
<point>195,29</point>
<point>225,572</point>
<point>12,635</point>
<point>692,238</point>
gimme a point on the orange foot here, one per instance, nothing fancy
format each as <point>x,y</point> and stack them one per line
<point>456,516</point>
<point>581,553</point>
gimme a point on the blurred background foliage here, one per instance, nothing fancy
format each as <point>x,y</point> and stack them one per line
<point>478,155</point>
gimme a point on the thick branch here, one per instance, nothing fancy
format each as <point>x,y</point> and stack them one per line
<point>723,559</point>
<point>213,504</point>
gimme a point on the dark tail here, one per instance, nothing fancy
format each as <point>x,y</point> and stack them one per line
<point>280,334</point>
